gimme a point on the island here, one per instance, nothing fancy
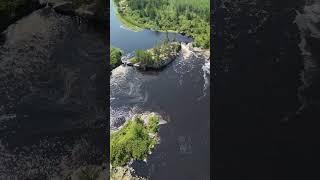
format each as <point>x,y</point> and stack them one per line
<point>135,140</point>
<point>157,57</point>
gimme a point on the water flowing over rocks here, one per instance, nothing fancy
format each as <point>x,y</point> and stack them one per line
<point>188,50</point>
<point>183,81</point>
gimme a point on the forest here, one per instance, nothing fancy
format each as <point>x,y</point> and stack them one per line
<point>191,17</point>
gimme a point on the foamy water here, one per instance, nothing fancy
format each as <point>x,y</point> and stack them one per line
<point>127,85</point>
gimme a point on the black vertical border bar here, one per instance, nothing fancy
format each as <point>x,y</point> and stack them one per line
<point>106,82</point>
<point>102,87</point>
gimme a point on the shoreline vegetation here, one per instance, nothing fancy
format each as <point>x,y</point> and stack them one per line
<point>189,17</point>
<point>135,140</point>
<point>158,57</point>
<point>155,58</point>
<point>126,22</point>
<point>115,57</point>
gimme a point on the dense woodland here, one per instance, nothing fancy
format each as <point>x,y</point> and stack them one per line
<point>191,17</point>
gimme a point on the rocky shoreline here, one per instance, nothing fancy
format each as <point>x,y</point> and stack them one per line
<point>186,50</point>
<point>150,122</point>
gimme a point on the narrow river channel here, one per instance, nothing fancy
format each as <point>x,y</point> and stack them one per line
<point>180,93</point>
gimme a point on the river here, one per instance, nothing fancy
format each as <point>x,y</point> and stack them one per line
<point>180,93</point>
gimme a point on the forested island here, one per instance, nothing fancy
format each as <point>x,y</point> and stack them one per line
<point>156,57</point>
<point>133,141</point>
<point>191,17</point>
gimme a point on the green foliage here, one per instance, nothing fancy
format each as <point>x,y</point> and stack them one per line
<point>155,55</point>
<point>115,57</point>
<point>144,57</point>
<point>131,142</point>
<point>153,124</point>
<point>188,16</point>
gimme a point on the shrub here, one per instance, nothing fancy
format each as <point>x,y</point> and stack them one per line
<point>132,141</point>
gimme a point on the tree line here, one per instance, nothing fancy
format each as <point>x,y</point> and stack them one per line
<point>191,17</point>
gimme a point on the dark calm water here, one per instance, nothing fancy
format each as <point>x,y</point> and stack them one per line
<point>180,93</point>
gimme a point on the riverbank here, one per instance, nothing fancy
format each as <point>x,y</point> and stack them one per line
<point>186,50</point>
<point>189,22</point>
<point>126,22</point>
<point>136,27</point>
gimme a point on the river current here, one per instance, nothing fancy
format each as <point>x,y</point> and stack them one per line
<point>180,93</point>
